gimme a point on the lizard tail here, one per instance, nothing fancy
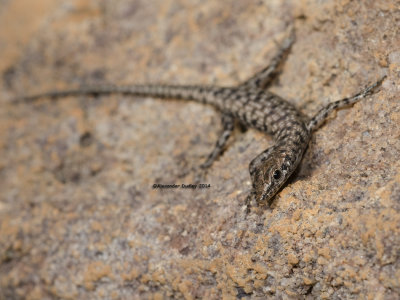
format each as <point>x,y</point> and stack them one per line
<point>322,115</point>
<point>197,93</point>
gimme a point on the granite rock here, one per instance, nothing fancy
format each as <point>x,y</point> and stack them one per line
<point>79,217</point>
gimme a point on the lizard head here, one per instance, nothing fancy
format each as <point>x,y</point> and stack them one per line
<point>269,171</point>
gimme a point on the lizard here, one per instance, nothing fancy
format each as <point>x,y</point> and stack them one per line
<point>254,106</point>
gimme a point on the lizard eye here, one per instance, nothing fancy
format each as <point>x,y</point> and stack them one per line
<point>277,174</point>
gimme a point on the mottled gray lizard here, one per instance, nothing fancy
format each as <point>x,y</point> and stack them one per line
<point>253,106</point>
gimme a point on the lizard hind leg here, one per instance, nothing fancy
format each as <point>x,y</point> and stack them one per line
<point>264,77</point>
<point>228,124</point>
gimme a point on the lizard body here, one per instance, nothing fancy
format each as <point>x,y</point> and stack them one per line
<point>253,106</point>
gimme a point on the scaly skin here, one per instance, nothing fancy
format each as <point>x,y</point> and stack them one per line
<point>254,107</point>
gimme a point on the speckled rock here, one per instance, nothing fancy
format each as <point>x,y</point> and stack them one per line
<point>79,217</point>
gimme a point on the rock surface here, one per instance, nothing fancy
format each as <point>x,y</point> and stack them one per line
<point>79,218</point>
